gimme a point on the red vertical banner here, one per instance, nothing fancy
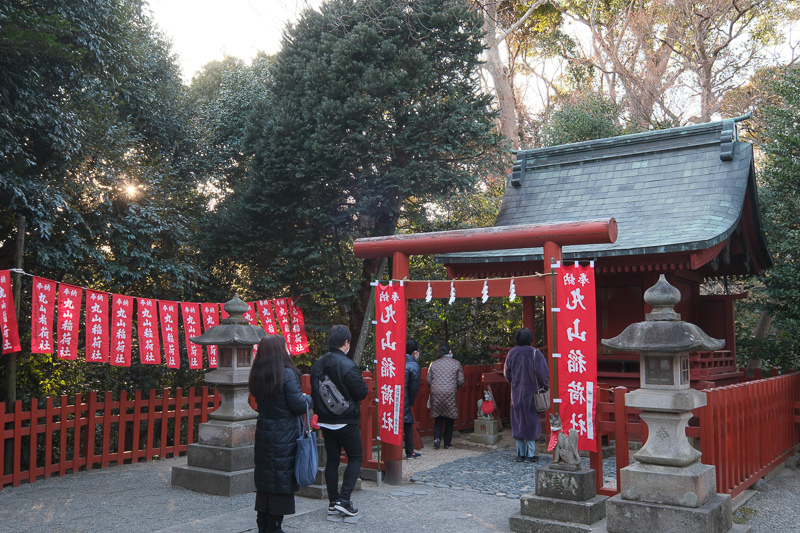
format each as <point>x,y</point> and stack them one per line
<point>8,316</point>
<point>210,314</point>
<point>191,328</point>
<point>147,326</point>
<point>168,312</point>
<point>42,310</point>
<point>282,312</point>
<point>390,345</point>
<point>69,316</point>
<point>96,326</point>
<point>576,324</point>
<point>299,344</point>
<point>121,324</point>
<point>223,314</point>
<point>265,314</point>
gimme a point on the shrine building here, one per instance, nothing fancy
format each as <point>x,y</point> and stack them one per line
<point>686,206</point>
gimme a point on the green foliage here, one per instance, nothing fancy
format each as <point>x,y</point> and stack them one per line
<point>374,113</point>
<point>780,204</point>
<point>581,117</point>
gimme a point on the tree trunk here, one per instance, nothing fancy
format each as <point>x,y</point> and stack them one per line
<point>501,79</point>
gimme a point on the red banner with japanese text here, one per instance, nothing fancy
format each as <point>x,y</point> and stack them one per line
<point>96,326</point>
<point>282,312</point>
<point>299,344</point>
<point>42,310</point>
<point>390,345</point>
<point>149,348</point>
<point>168,312</point>
<point>210,314</point>
<point>265,314</point>
<point>576,323</point>
<point>191,328</point>
<point>121,324</point>
<point>69,316</point>
<point>8,315</point>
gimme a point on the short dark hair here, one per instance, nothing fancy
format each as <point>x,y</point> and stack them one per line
<point>524,337</point>
<point>412,346</point>
<point>337,336</point>
<point>443,349</point>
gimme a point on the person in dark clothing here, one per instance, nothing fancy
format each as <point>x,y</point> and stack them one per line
<point>526,370</point>
<point>340,431</point>
<point>411,388</point>
<point>275,385</point>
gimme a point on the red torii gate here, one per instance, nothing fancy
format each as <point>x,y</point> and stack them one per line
<point>551,237</point>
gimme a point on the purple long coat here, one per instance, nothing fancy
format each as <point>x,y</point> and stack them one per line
<point>522,364</point>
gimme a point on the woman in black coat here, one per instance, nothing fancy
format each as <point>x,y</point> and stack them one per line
<point>275,384</point>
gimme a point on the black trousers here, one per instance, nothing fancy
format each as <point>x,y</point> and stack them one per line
<point>448,429</point>
<point>348,439</point>
<point>408,437</point>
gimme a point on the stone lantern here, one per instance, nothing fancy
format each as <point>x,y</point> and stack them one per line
<point>222,460</point>
<point>668,489</point>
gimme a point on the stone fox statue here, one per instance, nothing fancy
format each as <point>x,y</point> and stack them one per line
<point>566,450</point>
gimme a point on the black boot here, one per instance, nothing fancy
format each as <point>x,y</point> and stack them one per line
<point>263,520</point>
<point>275,521</point>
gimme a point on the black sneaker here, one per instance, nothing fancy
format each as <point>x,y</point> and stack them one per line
<point>413,455</point>
<point>436,443</point>
<point>534,459</point>
<point>332,508</point>
<point>345,507</point>
<point>447,446</point>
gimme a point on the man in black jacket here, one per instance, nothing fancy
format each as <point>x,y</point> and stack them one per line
<point>340,431</point>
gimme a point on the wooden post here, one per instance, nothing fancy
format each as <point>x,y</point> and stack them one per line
<point>11,358</point>
<point>552,254</point>
<point>393,458</point>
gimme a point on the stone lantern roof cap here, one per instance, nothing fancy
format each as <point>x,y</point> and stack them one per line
<point>663,330</point>
<point>234,330</point>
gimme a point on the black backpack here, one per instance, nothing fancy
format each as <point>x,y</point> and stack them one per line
<point>333,398</point>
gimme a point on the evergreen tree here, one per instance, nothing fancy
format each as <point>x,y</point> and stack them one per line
<point>780,206</point>
<point>375,108</point>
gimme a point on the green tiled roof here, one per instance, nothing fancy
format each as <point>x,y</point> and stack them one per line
<point>673,190</point>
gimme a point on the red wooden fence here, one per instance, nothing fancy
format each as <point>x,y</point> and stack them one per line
<point>745,430</point>
<point>77,433</point>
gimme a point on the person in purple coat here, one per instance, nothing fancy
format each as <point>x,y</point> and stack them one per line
<point>525,368</point>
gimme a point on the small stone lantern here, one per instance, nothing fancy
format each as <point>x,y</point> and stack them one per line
<point>668,489</point>
<point>222,460</point>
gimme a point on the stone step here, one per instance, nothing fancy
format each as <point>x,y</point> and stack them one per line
<point>586,512</point>
<point>527,524</point>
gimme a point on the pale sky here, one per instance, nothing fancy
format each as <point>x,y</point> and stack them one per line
<point>205,30</point>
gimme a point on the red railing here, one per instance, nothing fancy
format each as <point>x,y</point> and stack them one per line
<point>745,430</point>
<point>71,434</point>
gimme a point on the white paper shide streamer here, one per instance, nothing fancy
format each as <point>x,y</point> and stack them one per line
<point>452,293</point>
<point>512,291</point>
<point>428,293</point>
<point>485,291</point>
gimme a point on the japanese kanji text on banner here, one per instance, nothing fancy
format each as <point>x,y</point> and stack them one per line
<point>390,345</point>
<point>577,346</point>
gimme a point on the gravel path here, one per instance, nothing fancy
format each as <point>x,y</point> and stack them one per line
<point>490,472</point>
<point>778,509</point>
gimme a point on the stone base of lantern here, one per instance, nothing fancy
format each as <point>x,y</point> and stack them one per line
<point>222,462</point>
<point>690,486</point>
<point>625,516</point>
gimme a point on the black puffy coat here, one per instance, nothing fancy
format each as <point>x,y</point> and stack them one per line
<point>277,431</point>
<point>346,375</point>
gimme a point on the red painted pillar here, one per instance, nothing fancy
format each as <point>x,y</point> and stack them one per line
<point>552,253</point>
<point>393,453</point>
<point>529,315</point>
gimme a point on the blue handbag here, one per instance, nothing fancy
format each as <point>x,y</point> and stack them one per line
<point>306,462</point>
